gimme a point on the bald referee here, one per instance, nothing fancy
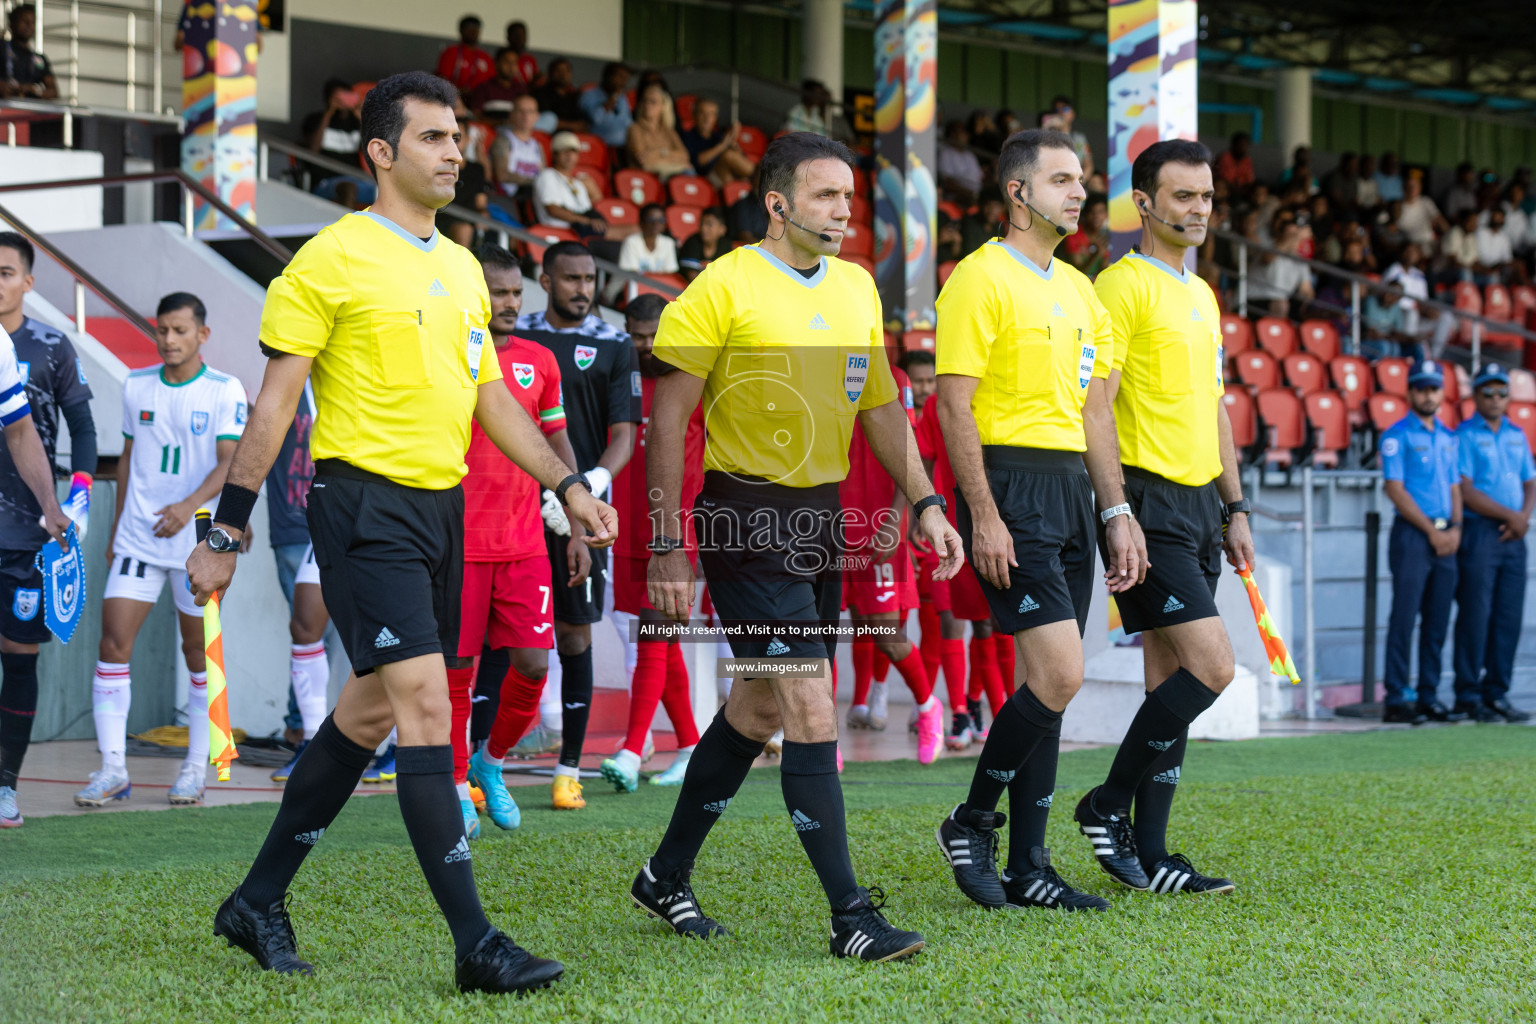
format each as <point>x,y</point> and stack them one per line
<point>1024,355</point>
<point>388,318</point>
<point>784,344</point>
<point>1181,477</point>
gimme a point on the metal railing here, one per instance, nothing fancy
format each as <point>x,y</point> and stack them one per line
<point>59,21</point>
<point>69,113</point>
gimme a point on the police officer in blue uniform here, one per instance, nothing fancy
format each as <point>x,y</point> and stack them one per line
<point>1419,461</point>
<point>1498,489</point>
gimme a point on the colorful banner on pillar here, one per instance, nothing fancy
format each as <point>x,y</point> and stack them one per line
<point>906,196</point>
<point>1152,95</point>
<point>218,99</point>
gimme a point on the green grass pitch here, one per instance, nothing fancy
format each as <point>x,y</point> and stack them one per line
<point>1381,876</point>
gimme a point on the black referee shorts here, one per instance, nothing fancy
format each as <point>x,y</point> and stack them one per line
<point>391,563</point>
<point>1182,525</point>
<point>581,605</point>
<point>1046,501</point>
<point>771,556</point>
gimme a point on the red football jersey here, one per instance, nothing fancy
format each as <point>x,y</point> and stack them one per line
<point>629,487</point>
<point>868,488</point>
<point>501,503</point>
<point>930,445</point>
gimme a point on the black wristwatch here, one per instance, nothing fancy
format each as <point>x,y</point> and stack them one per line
<point>1233,508</point>
<point>567,483</point>
<point>923,504</point>
<point>661,544</point>
<point>220,541</point>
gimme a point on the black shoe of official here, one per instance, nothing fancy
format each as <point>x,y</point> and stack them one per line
<point>860,930</point>
<point>969,842</point>
<point>973,708</point>
<point>1507,711</point>
<point>1478,712</point>
<point>1174,873</point>
<point>1043,887</point>
<point>671,898</point>
<point>498,964</point>
<point>1114,842</point>
<point>1403,714</point>
<point>1437,712</point>
<point>265,934</point>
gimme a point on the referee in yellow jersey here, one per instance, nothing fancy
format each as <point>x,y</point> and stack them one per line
<point>784,344</point>
<point>1181,477</point>
<point>388,318</point>
<point>1024,354</point>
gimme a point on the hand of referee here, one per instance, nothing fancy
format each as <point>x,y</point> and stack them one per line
<point>1239,542</point>
<point>992,550</point>
<point>601,521</point>
<point>942,539</point>
<point>669,584</point>
<point>1127,554</point>
<point>209,572</point>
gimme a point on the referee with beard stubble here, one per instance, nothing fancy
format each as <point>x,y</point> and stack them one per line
<point>389,319</point>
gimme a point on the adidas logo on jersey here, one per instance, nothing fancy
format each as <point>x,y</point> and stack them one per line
<point>1044,801</point>
<point>818,324</point>
<point>1056,309</point>
<point>437,289</point>
<point>460,852</point>
<point>718,806</point>
<point>1160,744</point>
<point>777,647</point>
<point>1171,776</point>
<point>1173,605</point>
<point>803,823</point>
<point>309,838</point>
<point>1194,314</point>
<point>1001,776</point>
<point>1029,604</point>
<point>385,638</point>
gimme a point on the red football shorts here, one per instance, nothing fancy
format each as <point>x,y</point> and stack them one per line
<point>506,604</point>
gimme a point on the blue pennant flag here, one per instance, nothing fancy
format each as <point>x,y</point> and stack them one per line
<point>63,585</point>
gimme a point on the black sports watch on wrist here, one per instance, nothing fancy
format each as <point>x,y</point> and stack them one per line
<point>219,540</point>
<point>1234,507</point>
<point>567,483</point>
<point>661,544</point>
<point>923,504</point>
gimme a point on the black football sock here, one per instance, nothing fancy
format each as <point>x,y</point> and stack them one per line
<point>1161,719</point>
<point>1029,800</point>
<point>430,808</point>
<point>813,795</point>
<point>495,663</point>
<point>322,780</point>
<point>576,698</point>
<point>715,772</point>
<point>1154,801</point>
<point>1021,723</point>
<point>18,709</point>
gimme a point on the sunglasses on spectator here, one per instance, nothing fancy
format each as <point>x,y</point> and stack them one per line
<point>655,220</point>
<point>1494,392</point>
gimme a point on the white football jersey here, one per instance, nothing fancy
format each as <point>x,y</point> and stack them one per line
<point>175,429</point>
<point>13,391</point>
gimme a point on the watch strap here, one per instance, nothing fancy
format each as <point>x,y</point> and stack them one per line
<point>1232,508</point>
<point>567,483</point>
<point>923,504</point>
<point>1122,509</point>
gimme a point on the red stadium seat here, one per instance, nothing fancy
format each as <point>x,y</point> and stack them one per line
<point>752,142</point>
<point>1522,385</point>
<point>683,106</point>
<point>1276,336</point>
<point>551,235</point>
<point>734,190</point>
<point>1449,414</point>
<point>862,261</point>
<point>593,152</point>
<point>597,183</point>
<point>1523,415</point>
<point>1352,378</point>
<point>1458,383</point>
<point>1497,305</point>
<point>951,210</point>
<point>1243,415</point>
<point>1305,372</point>
<point>682,222</point>
<point>858,240</point>
<point>1392,376</point>
<point>1468,300</point>
<point>863,184</point>
<point>1236,334</point>
<point>1522,298</point>
<point>1285,421</point>
<point>1330,424</point>
<point>639,187</point>
<point>1320,338</point>
<point>1386,409</point>
<point>543,140</point>
<point>618,212</point>
<point>673,283</point>
<point>945,269</point>
<point>861,211</point>
<point>691,190</point>
<point>1258,369</point>
<point>1468,409</point>
<point>917,340</point>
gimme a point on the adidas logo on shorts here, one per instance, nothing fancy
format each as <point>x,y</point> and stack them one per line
<point>1003,777</point>
<point>1044,801</point>
<point>1173,605</point>
<point>1029,604</point>
<point>385,638</point>
<point>309,838</point>
<point>1171,776</point>
<point>803,823</point>
<point>718,806</point>
<point>777,647</point>
<point>1160,744</point>
<point>458,853</point>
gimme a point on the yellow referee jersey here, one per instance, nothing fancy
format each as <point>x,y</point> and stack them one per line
<point>788,362</point>
<point>397,329</point>
<point>1169,352</point>
<point>1034,338</point>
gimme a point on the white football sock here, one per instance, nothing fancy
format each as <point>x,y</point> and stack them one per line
<point>551,712</point>
<point>310,671</point>
<point>197,718</point>
<point>111,695</point>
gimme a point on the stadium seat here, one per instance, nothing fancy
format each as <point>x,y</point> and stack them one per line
<point>542,139</point>
<point>734,190</point>
<point>861,210</point>
<point>1522,298</point>
<point>862,261</point>
<point>1468,409</point>
<point>1392,376</point>
<point>618,212</point>
<point>1523,415</point>
<point>639,187</point>
<point>1284,422</point>
<point>597,183</point>
<point>1305,372</point>
<point>1276,336</point>
<point>593,152</point>
<point>1320,338</point>
<point>1258,369</point>
<point>691,190</point>
<point>858,240</point>
<point>550,235</point>
<point>752,142</point>
<point>1522,385</point>
<point>1497,305</point>
<point>1386,409</point>
<point>1449,414</point>
<point>1236,334</point>
<point>1330,424</point>
<point>1469,300</point>
<point>951,210</point>
<point>917,340</point>
<point>1352,378</point>
<point>1243,415</point>
<point>945,269</point>
<point>1458,383</point>
<point>683,106</point>
<point>682,222</point>
<point>863,184</point>
<point>673,283</point>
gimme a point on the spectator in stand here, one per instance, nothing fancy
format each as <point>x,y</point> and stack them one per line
<point>1263,201</point>
<point>337,132</point>
<point>814,111</point>
<point>464,64</point>
<point>1382,324</point>
<point>748,216</point>
<point>715,150</point>
<point>1007,123</point>
<point>1458,251</point>
<point>516,156</point>
<point>1407,277</point>
<point>1495,252</point>
<point>1389,179</point>
<point>1367,188</point>
<point>652,143</point>
<point>707,243</point>
<point>1388,237</point>
<point>470,190</point>
<point>1420,218</point>
<point>651,250</point>
<point>1462,195</point>
<point>1320,217</point>
<point>607,107</point>
<point>1088,249</point>
<point>27,72</point>
<point>977,228</point>
<point>1517,223</point>
<point>505,86</point>
<point>1235,167</point>
<point>1342,185</point>
<point>959,170</point>
<point>560,198</point>
<point>559,101</point>
<point>1300,171</point>
<point>527,63</point>
<point>983,132</point>
<point>1279,282</point>
<point>948,247</point>
<point>1067,115</point>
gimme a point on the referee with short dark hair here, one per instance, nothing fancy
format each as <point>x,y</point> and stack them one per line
<point>784,344</point>
<point>389,320</point>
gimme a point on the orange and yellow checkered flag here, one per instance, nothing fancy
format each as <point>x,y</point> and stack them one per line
<point>1280,662</point>
<point>221,741</point>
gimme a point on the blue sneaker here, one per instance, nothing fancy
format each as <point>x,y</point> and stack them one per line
<point>673,776</point>
<point>190,784</point>
<point>471,819</point>
<point>383,767</point>
<point>498,802</point>
<point>104,787</point>
<point>10,814</point>
<point>623,770</point>
<point>281,775</point>
<point>538,741</point>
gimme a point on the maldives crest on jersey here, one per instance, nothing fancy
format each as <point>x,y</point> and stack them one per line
<point>584,356</point>
<point>523,374</point>
<point>472,348</point>
<point>199,424</point>
<point>63,585</point>
<point>855,376</point>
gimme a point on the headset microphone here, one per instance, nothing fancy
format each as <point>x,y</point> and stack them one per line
<point>1177,227</point>
<point>778,208</point>
<point>1061,232</point>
